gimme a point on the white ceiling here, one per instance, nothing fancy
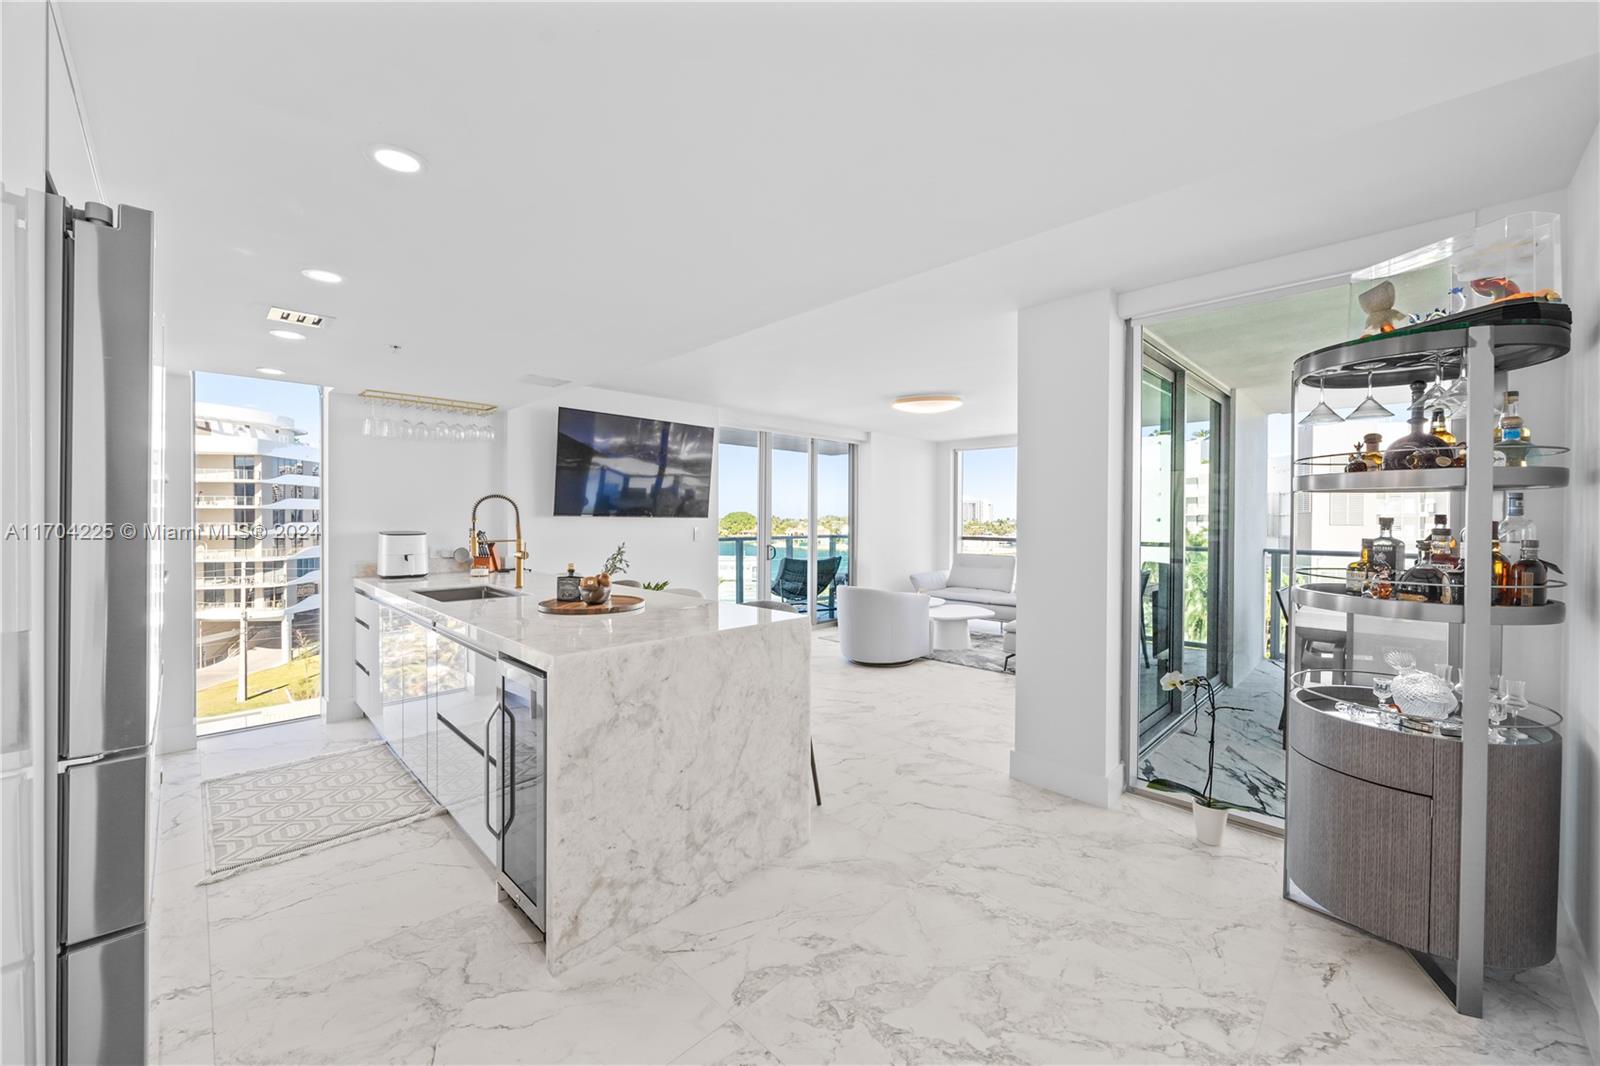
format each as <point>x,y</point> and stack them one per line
<point>801,209</point>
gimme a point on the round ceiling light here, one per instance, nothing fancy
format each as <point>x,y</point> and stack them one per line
<point>274,371</point>
<point>401,162</point>
<point>927,405</point>
<point>287,334</point>
<point>327,277</point>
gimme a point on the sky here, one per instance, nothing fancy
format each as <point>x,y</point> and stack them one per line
<point>988,474</point>
<point>302,403</point>
<point>991,474</point>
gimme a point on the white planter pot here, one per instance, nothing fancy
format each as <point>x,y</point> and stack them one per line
<point>1209,822</point>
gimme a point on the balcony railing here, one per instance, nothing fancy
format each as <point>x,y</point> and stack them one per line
<point>230,501</point>
<point>985,544</point>
<point>739,566</point>
<point>260,550</point>
<point>1275,564</point>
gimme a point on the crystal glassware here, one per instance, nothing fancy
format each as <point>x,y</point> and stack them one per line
<point>1382,689</point>
<point>1513,701</point>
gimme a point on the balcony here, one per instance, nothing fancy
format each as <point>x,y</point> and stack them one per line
<point>987,545</point>
<point>259,550</point>
<point>229,501</point>
<point>739,568</point>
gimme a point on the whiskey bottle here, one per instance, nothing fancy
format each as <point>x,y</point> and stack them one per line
<point>1529,578</point>
<point>1357,464</point>
<point>1511,436</point>
<point>1441,429</point>
<point>1372,453</point>
<point>1443,548</point>
<point>1425,582</point>
<point>1419,449</point>
<point>1500,590</point>
<point>1387,551</point>
<point>1355,575</point>
<point>1517,528</point>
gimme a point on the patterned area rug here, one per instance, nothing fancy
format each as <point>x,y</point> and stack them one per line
<point>987,653</point>
<point>265,816</point>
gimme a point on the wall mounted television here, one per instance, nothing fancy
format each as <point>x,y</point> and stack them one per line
<point>641,467</point>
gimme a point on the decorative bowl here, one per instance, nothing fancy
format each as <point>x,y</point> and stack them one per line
<point>593,592</point>
<point>1425,696</point>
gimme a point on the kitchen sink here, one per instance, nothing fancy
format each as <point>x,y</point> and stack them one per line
<point>480,592</point>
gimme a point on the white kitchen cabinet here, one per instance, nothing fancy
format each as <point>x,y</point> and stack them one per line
<point>366,658</point>
<point>465,692</point>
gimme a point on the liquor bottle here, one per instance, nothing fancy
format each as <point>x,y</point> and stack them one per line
<point>1500,592</point>
<point>567,589</point>
<point>1516,529</point>
<point>1441,429</point>
<point>1424,582</point>
<point>1511,436</point>
<point>1419,449</point>
<point>1529,576</point>
<point>1387,551</point>
<point>1357,464</point>
<point>1355,575</point>
<point>1372,453</point>
<point>1443,548</point>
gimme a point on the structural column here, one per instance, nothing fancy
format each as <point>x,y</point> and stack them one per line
<point>1070,425</point>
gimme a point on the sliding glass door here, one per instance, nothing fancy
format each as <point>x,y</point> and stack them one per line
<point>1182,585</point>
<point>787,504</point>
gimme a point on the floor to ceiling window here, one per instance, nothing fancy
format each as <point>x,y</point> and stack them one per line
<point>986,495</point>
<point>258,573</point>
<point>787,504</point>
<point>1182,518</point>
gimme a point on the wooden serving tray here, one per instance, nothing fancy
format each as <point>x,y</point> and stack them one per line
<point>615,605</point>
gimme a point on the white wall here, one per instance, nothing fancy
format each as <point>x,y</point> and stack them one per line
<point>1070,360</point>
<point>898,528</point>
<point>1580,827</point>
<point>175,715</point>
<point>371,484</point>
<point>1249,515</point>
<point>680,550</point>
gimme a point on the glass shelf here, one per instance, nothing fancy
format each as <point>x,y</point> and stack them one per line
<point>1537,469</point>
<point>1347,694</point>
<point>1331,596</point>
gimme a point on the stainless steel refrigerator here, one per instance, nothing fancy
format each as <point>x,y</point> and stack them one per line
<point>79,720</point>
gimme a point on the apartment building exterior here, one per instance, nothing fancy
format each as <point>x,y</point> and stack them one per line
<point>258,560</point>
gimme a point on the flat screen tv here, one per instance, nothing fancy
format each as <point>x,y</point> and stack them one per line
<point>619,465</point>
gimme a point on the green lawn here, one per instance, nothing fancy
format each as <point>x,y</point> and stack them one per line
<point>298,679</point>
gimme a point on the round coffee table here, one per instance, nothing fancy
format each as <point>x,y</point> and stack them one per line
<point>948,625</point>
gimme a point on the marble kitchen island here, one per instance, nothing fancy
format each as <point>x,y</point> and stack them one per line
<point>675,740</point>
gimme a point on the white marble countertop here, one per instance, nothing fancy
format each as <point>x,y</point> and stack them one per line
<point>514,625</point>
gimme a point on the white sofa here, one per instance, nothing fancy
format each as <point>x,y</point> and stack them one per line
<point>977,580</point>
<point>879,626</point>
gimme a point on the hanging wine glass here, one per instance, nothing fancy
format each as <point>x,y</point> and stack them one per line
<point>1438,394</point>
<point>1322,414</point>
<point>1369,408</point>
<point>368,422</point>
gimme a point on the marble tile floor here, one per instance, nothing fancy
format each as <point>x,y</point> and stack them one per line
<point>942,912</point>
<point>1250,755</point>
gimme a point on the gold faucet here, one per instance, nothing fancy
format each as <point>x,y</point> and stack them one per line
<point>521,554</point>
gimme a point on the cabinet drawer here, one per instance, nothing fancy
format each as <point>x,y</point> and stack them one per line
<point>1361,850</point>
<point>366,690</point>
<point>462,789</point>
<point>366,610</point>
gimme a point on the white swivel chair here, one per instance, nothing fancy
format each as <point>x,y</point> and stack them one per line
<point>880,627</point>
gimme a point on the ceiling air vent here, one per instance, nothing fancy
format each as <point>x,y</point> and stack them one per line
<point>284,316</point>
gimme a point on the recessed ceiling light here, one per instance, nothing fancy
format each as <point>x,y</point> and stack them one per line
<point>927,405</point>
<point>274,371</point>
<point>396,160</point>
<point>327,277</point>
<point>287,334</point>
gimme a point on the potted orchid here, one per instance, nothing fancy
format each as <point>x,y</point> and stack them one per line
<point>1210,813</point>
